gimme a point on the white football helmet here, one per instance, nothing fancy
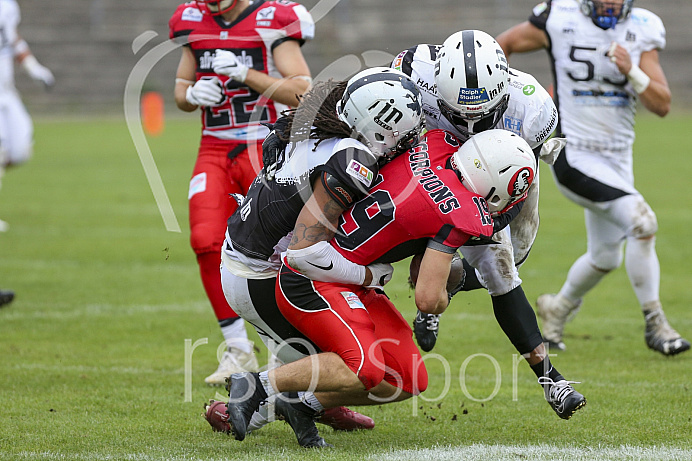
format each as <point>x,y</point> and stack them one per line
<point>606,14</point>
<point>472,81</point>
<point>497,164</point>
<point>384,107</point>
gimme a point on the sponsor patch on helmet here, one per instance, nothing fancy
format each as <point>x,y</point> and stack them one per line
<point>361,173</point>
<point>520,183</point>
<point>472,96</point>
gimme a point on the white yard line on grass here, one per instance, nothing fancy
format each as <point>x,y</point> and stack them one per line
<point>537,453</point>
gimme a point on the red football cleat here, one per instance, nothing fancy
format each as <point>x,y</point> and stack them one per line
<point>343,419</point>
<point>216,416</point>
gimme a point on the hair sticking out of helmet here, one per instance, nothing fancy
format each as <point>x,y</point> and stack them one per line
<point>215,7</point>
<point>383,108</point>
<point>606,14</point>
<point>497,164</point>
<point>472,81</point>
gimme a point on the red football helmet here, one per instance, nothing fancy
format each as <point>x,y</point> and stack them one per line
<point>215,7</point>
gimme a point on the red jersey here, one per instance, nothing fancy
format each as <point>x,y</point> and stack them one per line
<point>252,37</point>
<point>417,197</point>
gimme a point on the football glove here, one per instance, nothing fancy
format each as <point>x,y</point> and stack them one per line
<point>227,63</point>
<point>206,92</point>
<point>381,274</point>
<point>551,149</point>
<point>38,72</point>
<point>273,148</point>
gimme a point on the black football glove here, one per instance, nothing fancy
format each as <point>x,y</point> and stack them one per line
<point>273,147</point>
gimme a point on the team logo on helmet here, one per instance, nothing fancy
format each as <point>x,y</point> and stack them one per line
<point>521,182</point>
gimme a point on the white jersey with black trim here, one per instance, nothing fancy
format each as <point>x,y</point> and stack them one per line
<point>531,112</point>
<point>9,20</point>
<point>596,102</point>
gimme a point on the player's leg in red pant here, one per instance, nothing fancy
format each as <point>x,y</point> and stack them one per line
<point>222,168</point>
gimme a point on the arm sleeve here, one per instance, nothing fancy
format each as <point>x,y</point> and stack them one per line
<point>323,263</point>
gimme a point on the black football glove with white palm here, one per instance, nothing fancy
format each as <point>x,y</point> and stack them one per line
<point>273,148</point>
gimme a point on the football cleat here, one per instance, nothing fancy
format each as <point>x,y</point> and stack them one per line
<point>216,416</point>
<point>426,327</point>
<point>562,397</point>
<point>301,418</point>
<point>344,419</point>
<point>555,311</point>
<point>233,361</point>
<point>6,297</point>
<point>246,394</point>
<point>660,336</point>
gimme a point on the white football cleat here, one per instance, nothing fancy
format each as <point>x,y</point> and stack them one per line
<point>233,361</point>
<point>555,311</point>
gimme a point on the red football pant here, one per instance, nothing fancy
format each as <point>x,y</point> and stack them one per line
<point>214,177</point>
<point>361,325</point>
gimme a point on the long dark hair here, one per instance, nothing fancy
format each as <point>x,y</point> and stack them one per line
<point>315,117</point>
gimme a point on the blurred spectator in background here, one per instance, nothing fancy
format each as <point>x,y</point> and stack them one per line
<point>242,65</point>
<point>16,128</point>
<point>604,57</point>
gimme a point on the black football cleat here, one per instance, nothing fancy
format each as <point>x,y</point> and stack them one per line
<point>301,418</point>
<point>426,327</point>
<point>6,297</point>
<point>562,397</point>
<point>246,394</point>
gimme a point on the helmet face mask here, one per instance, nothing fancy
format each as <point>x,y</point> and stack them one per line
<point>606,14</point>
<point>215,7</point>
<point>497,164</point>
<point>383,108</point>
<point>472,81</point>
<point>469,125</point>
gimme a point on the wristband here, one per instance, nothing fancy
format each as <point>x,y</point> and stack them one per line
<point>638,79</point>
<point>21,47</point>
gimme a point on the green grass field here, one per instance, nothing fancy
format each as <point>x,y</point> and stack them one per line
<point>93,347</point>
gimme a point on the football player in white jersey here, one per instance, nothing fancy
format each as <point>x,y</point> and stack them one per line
<point>604,58</point>
<point>16,129</point>
<point>467,88</point>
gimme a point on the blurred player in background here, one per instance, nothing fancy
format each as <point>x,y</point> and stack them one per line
<point>16,128</point>
<point>604,57</point>
<point>241,64</point>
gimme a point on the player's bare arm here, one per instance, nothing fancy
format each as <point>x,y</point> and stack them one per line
<point>291,64</point>
<point>185,78</point>
<point>656,95</point>
<point>522,38</point>
<point>317,220</point>
<point>431,291</point>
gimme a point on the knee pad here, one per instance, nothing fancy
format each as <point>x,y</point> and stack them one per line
<point>205,238</point>
<point>607,257</point>
<point>497,270</point>
<point>644,224</point>
<point>370,372</point>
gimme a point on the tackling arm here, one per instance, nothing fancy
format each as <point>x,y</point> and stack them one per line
<point>431,286</point>
<point>310,254</point>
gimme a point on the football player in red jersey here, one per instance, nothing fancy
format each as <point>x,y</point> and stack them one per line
<point>241,65</point>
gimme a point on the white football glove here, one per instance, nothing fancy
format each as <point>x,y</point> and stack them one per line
<point>381,274</point>
<point>227,63</point>
<point>551,149</point>
<point>37,71</point>
<point>206,92</point>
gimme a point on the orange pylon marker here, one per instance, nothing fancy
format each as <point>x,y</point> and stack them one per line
<point>153,113</point>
